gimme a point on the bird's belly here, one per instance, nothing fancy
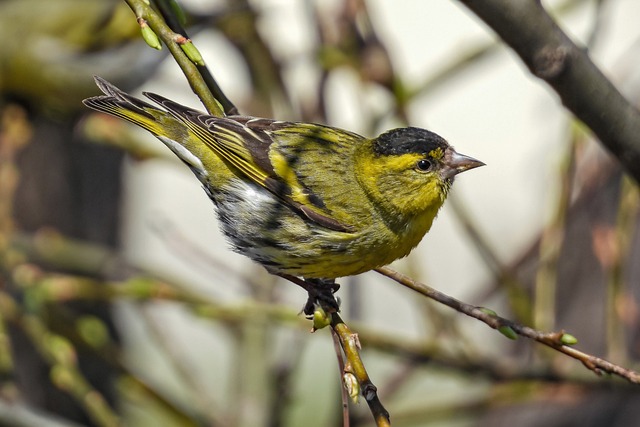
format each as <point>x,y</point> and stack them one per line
<point>260,226</point>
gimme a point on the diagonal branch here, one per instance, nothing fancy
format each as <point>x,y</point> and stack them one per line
<point>168,9</point>
<point>551,339</point>
<point>550,55</point>
<point>172,40</point>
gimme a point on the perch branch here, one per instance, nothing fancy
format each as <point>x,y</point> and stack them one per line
<point>351,348</point>
<point>550,339</point>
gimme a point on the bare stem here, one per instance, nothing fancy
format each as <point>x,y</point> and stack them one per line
<point>343,394</point>
<point>550,339</point>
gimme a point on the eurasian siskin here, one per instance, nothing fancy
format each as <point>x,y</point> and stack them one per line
<point>304,199</point>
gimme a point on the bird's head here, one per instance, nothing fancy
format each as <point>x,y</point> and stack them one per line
<point>408,171</point>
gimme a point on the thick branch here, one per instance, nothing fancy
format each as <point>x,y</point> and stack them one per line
<point>552,56</point>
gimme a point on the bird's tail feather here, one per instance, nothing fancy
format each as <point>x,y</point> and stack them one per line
<point>170,126</point>
<point>121,104</point>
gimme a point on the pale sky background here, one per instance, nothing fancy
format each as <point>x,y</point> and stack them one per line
<point>495,112</point>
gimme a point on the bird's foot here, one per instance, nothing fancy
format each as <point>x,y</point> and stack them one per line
<point>321,293</point>
<point>321,302</point>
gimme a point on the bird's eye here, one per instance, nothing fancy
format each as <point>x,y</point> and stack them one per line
<point>423,165</point>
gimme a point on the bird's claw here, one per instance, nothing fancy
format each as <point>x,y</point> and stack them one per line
<point>321,293</point>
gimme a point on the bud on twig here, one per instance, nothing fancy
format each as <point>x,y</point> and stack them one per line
<point>352,386</point>
<point>149,36</point>
<point>190,50</point>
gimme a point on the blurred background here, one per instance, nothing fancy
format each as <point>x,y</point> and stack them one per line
<point>120,303</point>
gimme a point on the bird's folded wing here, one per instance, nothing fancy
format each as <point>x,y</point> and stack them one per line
<point>246,143</point>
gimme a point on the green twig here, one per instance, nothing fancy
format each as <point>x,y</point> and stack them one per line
<point>173,41</point>
<point>169,10</point>
<point>353,365</point>
<point>65,374</point>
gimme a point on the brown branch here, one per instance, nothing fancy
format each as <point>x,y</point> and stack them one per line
<point>550,55</point>
<point>550,339</point>
<point>343,390</point>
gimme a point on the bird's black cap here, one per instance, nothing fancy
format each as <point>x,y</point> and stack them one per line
<point>408,140</point>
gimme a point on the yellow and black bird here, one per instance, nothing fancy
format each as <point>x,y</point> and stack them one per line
<point>304,199</point>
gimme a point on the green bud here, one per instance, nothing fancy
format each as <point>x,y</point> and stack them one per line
<point>321,319</point>
<point>568,339</point>
<point>508,332</point>
<point>149,36</point>
<point>140,287</point>
<point>62,377</point>
<point>505,330</point>
<point>352,386</point>
<point>93,331</point>
<point>62,350</point>
<point>488,311</point>
<point>192,52</point>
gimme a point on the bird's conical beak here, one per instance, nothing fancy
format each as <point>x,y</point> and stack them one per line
<point>454,163</point>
